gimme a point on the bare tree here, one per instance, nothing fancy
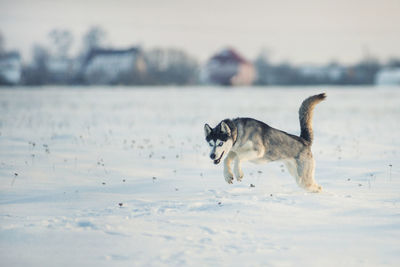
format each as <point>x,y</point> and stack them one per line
<point>2,49</point>
<point>171,66</point>
<point>94,38</point>
<point>37,73</point>
<point>62,40</point>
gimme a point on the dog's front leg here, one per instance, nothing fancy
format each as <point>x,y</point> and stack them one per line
<point>227,167</point>
<point>238,170</point>
<point>244,155</point>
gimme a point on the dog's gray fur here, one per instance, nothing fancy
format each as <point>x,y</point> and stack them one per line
<point>246,139</point>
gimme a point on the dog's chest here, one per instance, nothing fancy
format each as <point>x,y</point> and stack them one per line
<point>243,148</point>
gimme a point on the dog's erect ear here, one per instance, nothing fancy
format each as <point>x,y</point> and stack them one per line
<point>225,128</point>
<point>207,129</point>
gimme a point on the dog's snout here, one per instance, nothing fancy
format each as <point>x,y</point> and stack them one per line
<point>212,156</point>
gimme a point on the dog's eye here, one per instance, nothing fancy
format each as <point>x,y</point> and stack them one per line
<point>210,144</point>
<point>220,144</point>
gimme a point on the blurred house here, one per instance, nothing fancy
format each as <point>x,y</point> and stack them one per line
<point>10,68</point>
<point>62,70</point>
<point>322,74</point>
<point>110,66</point>
<point>228,67</point>
<point>388,76</point>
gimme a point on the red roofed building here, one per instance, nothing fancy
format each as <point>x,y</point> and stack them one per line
<point>228,67</point>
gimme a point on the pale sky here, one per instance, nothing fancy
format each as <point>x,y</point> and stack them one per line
<point>302,31</point>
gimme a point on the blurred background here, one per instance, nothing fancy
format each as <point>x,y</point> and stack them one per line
<point>176,42</point>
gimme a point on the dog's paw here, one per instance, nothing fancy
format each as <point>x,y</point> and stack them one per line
<point>228,178</point>
<point>315,188</point>
<point>318,189</point>
<point>239,175</point>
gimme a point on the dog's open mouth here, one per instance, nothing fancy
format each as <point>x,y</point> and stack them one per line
<point>218,160</point>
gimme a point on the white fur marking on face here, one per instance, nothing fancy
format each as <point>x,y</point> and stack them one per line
<point>212,143</point>
<point>226,146</point>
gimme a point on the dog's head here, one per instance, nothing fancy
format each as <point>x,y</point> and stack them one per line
<point>219,139</point>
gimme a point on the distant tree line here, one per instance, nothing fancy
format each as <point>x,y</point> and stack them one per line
<point>163,66</point>
<point>53,64</point>
<point>361,73</point>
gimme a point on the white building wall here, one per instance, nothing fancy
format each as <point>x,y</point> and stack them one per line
<point>388,77</point>
<point>10,69</point>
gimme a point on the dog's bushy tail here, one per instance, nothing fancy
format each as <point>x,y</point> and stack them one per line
<point>306,114</point>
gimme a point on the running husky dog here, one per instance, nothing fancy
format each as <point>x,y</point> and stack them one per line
<point>246,139</point>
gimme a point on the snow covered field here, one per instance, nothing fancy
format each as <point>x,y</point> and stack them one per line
<point>118,177</point>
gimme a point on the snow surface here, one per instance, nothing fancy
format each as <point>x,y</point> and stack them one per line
<point>121,177</point>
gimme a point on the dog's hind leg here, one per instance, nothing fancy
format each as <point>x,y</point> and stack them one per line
<point>291,166</point>
<point>227,167</point>
<point>306,170</point>
<point>303,171</point>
